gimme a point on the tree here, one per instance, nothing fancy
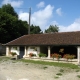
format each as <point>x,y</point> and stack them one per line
<point>52,29</point>
<point>10,27</point>
<point>35,29</point>
<point>9,9</point>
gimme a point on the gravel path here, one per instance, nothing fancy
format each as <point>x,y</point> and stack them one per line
<point>11,70</point>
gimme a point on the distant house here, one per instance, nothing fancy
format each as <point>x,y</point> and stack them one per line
<point>46,43</point>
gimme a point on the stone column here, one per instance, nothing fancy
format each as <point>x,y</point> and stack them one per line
<point>7,51</point>
<point>78,54</point>
<point>49,51</point>
<point>25,52</point>
<point>18,48</point>
<point>38,51</point>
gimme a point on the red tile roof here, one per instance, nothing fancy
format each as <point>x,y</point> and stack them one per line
<point>61,38</point>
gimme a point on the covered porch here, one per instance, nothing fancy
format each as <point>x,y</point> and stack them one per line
<point>23,51</point>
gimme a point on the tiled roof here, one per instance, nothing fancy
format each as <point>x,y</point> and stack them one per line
<point>61,38</point>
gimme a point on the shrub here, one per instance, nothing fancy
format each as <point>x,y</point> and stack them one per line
<point>42,55</point>
<point>13,53</point>
<point>59,74</point>
<point>68,56</point>
<point>31,54</point>
<point>55,55</point>
<point>61,70</point>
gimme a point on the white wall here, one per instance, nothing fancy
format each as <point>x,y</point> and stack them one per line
<point>32,50</point>
<point>15,50</point>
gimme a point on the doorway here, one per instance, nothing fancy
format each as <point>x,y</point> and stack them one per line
<point>21,52</point>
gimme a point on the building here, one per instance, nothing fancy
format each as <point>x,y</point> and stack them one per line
<point>45,43</point>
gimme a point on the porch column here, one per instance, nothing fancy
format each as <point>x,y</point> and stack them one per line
<point>25,51</point>
<point>18,48</point>
<point>49,51</point>
<point>7,51</point>
<point>78,54</point>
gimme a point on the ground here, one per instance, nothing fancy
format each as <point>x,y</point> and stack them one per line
<point>17,70</point>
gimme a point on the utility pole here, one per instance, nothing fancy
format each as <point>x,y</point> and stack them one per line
<point>29,20</point>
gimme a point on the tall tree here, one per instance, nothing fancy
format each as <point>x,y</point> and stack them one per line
<point>10,27</point>
<point>52,28</point>
<point>9,9</point>
<point>35,29</point>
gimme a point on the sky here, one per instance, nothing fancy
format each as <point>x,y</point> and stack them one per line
<point>63,13</point>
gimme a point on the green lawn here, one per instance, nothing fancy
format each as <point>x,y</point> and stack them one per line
<point>58,64</point>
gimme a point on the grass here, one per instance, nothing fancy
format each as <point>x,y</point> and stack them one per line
<point>61,70</point>
<point>4,58</point>
<point>56,77</point>
<point>45,67</point>
<point>58,64</point>
<point>77,70</point>
<point>59,74</point>
<point>78,76</point>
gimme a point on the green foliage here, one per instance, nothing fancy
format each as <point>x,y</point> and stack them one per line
<point>45,67</point>
<point>78,76</point>
<point>61,70</point>
<point>59,74</point>
<point>35,29</point>
<point>3,58</point>
<point>77,70</point>
<point>13,53</point>
<point>42,55</point>
<point>11,27</point>
<point>56,77</point>
<point>9,9</point>
<point>52,29</point>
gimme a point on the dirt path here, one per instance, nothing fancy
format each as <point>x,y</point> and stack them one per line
<point>11,70</point>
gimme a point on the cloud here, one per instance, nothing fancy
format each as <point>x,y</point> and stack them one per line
<point>54,23</point>
<point>41,4</point>
<point>15,3</point>
<point>40,17</point>
<point>59,12</point>
<point>24,16</point>
<point>75,26</point>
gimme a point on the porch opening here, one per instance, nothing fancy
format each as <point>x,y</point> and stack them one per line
<point>44,49</point>
<point>66,50</point>
<point>21,52</point>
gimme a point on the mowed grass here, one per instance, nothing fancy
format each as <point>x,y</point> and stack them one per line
<point>58,64</point>
<point>4,58</point>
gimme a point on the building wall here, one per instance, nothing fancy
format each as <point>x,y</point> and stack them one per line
<point>15,49</point>
<point>33,49</point>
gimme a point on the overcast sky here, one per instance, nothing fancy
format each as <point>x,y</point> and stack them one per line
<point>63,13</point>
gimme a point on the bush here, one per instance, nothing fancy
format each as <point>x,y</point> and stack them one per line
<point>13,53</point>
<point>55,55</point>
<point>68,56</point>
<point>42,55</point>
<point>31,54</point>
